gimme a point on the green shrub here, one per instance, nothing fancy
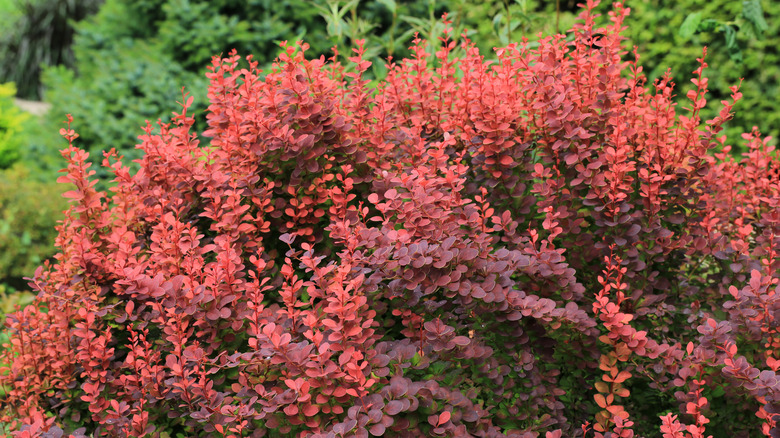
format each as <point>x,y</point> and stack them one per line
<point>133,56</point>
<point>29,211</point>
<point>36,33</point>
<point>655,26</point>
<point>10,12</point>
<point>12,123</point>
<point>10,298</point>
<point>528,245</point>
<point>115,93</point>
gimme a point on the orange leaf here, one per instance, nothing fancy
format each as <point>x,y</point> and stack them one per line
<point>622,377</point>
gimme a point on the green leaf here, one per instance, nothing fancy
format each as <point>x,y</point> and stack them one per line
<point>352,4</point>
<point>735,53</point>
<point>389,4</point>
<point>403,40</point>
<point>497,20</point>
<point>26,238</point>
<point>752,12</point>
<point>731,36</point>
<point>709,25</point>
<point>413,20</point>
<point>690,25</point>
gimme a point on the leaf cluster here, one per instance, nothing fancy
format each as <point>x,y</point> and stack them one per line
<point>532,246</point>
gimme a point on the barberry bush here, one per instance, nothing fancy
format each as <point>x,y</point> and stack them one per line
<point>540,245</point>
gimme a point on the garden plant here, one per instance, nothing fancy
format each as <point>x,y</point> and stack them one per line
<point>28,207</point>
<point>541,245</point>
<point>129,59</point>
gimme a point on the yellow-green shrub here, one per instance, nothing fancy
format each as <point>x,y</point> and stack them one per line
<point>29,211</point>
<point>12,123</point>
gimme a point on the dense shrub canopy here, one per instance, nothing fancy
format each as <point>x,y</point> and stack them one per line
<point>536,246</point>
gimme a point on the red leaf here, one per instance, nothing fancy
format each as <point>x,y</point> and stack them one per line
<point>310,410</point>
<point>377,429</point>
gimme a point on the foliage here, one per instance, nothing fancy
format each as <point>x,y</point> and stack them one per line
<point>29,211</point>
<point>12,124</point>
<point>10,301</point>
<point>40,33</point>
<point>29,207</point>
<point>173,39</point>
<point>10,12</point>
<point>122,90</point>
<point>133,56</point>
<point>742,39</point>
<point>751,21</point>
<point>529,247</point>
